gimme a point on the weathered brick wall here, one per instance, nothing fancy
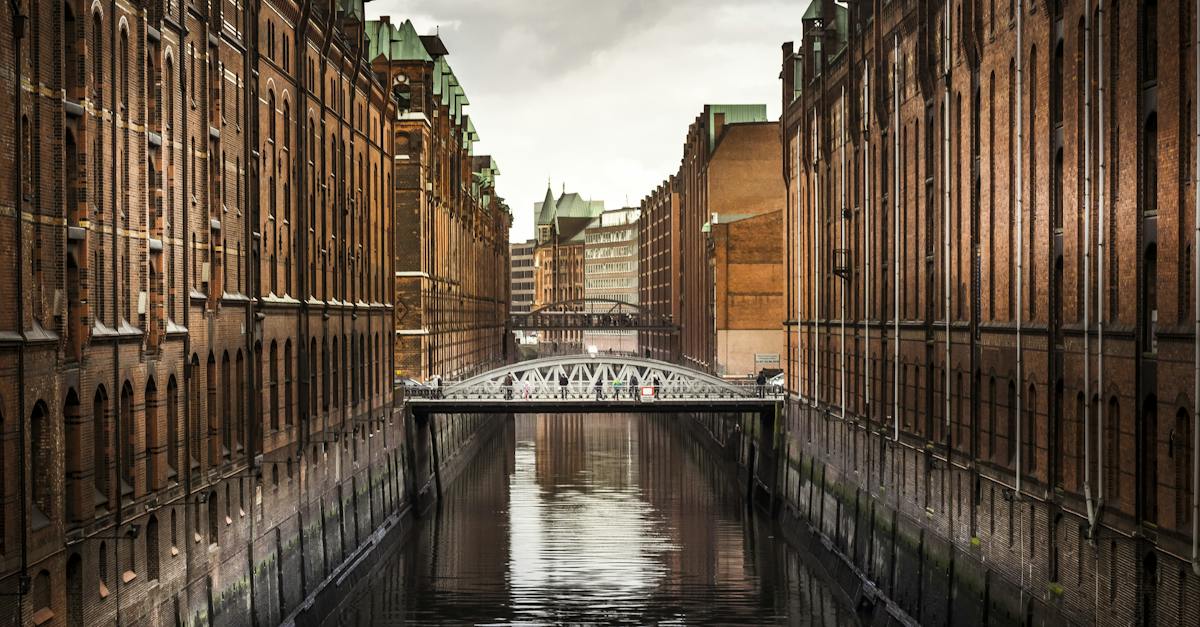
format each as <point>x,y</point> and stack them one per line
<point>1137,408</point>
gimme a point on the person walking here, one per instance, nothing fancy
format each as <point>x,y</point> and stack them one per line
<point>761,382</point>
<point>633,387</point>
<point>562,385</point>
<point>658,391</point>
<point>508,387</point>
<point>599,389</point>
<point>616,386</point>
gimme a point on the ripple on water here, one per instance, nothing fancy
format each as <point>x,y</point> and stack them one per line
<point>610,519</point>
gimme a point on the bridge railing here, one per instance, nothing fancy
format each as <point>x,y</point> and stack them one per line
<point>608,391</point>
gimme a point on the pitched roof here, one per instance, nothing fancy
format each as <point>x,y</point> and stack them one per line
<point>545,209</point>
<point>396,43</point>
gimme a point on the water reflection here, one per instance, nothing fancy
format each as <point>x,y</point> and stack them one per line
<point>599,518</point>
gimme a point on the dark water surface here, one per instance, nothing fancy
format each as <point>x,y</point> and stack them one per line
<point>591,519</point>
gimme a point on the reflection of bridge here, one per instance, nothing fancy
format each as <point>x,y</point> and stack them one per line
<point>591,314</point>
<point>603,383</point>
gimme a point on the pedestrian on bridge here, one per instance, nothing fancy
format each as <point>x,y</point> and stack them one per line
<point>508,387</point>
<point>562,385</point>
<point>599,389</point>
<point>633,387</point>
<point>761,383</point>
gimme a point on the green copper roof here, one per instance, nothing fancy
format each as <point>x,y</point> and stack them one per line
<point>396,43</point>
<point>545,209</point>
<point>734,114</point>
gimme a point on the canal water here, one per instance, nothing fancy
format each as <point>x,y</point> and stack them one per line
<point>611,519</point>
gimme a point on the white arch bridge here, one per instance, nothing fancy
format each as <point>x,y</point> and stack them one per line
<point>600,383</point>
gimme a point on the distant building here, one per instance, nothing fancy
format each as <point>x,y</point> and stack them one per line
<point>520,277</point>
<point>558,258</point>
<point>610,272</point>
<point>713,253</point>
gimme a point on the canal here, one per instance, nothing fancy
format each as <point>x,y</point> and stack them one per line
<point>594,518</point>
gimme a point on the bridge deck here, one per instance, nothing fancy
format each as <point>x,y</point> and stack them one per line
<point>583,405</point>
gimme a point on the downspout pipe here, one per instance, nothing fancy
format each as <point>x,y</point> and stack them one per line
<point>896,241</point>
<point>19,23</point>
<point>866,212</point>
<point>1020,238</point>
<point>1100,239</point>
<point>842,238</point>
<point>946,62</point>
<point>1196,336</point>
<point>1087,265</point>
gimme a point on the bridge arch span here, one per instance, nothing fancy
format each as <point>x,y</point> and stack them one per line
<point>584,371</point>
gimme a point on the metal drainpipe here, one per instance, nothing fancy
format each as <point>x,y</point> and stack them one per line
<point>1196,336</point>
<point>842,238</point>
<point>116,344</point>
<point>946,219</point>
<point>1087,264</point>
<point>866,182</point>
<point>188,372</point>
<point>896,240</point>
<point>1020,240</point>
<point>1100,237</point>
<point>19,22</point>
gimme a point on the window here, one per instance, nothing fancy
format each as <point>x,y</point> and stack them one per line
<point>172,428</point>
<point>274,386</point>
<point>1181,458</point>
<point>97,54</point>
<point>1012,424</point>
<point>152,558</point>
<point>127,443</point>
<point>41,458</point>
<point>213,529</point>
<point>1150,301</point>
<point>1149,470</point>
<point>287,383</point>
<point>1149,40</point>
<point>150,434</point>
<point>1149,187</point>
<point>100,447</point>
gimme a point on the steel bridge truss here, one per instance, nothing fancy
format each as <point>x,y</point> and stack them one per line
<point>591,314</point>
<point>600,376</point>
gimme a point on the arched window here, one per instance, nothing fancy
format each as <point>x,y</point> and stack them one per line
<point>325,374</point>
<point>152,558</point>
<point>1150,300</point>
<point>151,434</point>
<point>271,115</point>
<point>239,422</point>
<point>102,567</point>
<point>1030,431</point>
<point>1012,425</point>
<point>42,595</point>
<point>75,591</point>
<point>127,444</point>
<point>41,439</point>
<point>214,427</point>
<point>1149,40</point>
<point>336,382</point>
<point>213,528</point>
<point>287,383</point>
<point>1181,458</point>
<point>1149,469</point>
<point>274,387</point>
<point>992,419</point>
<point>101,455</point>
<point>1112,456</point>
<point>123,62</point>
<point>172,429</point>
<point>73,460</point>
<point>195,442</point>
<point>97,53</point>
<point>287,125</point>
<point>226,406</point>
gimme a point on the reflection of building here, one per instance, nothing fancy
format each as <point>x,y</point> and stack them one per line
<point>610,272</point>
<point>558,258</point>
<point>451,304</point>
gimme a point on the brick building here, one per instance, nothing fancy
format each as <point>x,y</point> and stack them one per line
<point>610,273</point>
<point>558,260</point>
<point>729,173</point>
<point>990,276</point>
<point>658,268</point>
<point>521,275</point>
<point>451,304</point>
<point>198,229</point>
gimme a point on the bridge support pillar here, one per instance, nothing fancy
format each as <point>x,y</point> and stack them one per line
<point>421,444</point>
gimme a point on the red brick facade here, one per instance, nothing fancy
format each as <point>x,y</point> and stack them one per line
<point>862,157</point>
<point>197,342</point>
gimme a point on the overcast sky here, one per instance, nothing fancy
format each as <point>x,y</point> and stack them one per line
<point>598,94</point>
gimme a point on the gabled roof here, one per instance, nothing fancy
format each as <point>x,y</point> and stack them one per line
<point>395,43</point>
<point>545,209</point>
